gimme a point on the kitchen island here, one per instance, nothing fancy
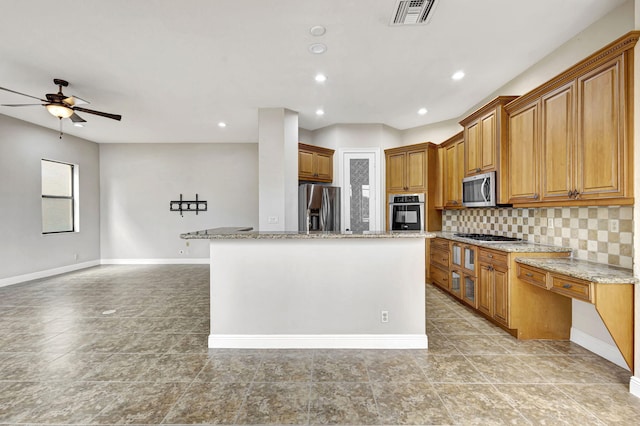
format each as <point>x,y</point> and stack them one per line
<point>316,290</point>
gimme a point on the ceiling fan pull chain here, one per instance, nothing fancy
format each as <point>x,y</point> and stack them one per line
<point>60,120</point>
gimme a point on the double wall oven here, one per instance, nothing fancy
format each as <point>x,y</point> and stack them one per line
<point>406,212</point>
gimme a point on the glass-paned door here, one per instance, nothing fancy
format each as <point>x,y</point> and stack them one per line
<point>360,192</point>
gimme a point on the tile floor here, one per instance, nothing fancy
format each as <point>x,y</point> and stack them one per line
<point>127,345</point>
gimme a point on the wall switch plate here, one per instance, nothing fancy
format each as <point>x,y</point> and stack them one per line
<point>550,223</point>
<point>272,219</point>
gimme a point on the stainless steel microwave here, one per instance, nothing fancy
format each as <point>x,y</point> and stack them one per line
<point>479,190</point>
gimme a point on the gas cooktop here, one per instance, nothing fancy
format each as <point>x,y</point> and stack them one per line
<point>488,238</point>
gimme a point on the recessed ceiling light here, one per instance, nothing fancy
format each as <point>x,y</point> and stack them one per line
<point>317,30</point>
<point>458,75</point>
<point>317,48</point>
<point>422,111</point>
<point>321,78</point>
<point>222,124</point>
<point>319,111</point>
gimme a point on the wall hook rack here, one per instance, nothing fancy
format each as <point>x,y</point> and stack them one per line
<point>188,206</point>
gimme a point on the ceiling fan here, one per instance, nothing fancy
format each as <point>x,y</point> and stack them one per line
<point>63,106</point>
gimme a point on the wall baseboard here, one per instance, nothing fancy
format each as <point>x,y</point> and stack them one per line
<point>634,386</point>
<point>47,273</point>
<point>77,266</point>
<point>318,341</point>
<point>176,261</point>
<point>597,346</point>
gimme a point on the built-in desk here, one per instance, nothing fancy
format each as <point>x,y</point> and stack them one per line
<point>609,288</point>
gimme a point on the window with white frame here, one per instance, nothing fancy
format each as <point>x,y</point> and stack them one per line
<point>58,197</point>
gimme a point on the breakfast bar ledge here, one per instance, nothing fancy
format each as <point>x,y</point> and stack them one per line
<point>316,290</point>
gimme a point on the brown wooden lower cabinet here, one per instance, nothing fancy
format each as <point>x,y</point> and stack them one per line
<point>525,311</point>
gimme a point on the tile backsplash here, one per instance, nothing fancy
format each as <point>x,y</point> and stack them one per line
<point>599,234</point>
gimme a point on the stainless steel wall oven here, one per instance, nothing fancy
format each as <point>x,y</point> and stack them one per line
<point>406,212</point>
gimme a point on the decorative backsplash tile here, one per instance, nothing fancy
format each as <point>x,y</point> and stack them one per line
<point>599,234</point>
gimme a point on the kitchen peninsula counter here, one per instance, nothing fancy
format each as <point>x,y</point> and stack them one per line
<point>316,290</point>
<point>248,233</point>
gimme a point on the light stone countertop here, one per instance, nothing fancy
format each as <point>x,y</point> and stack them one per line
<point>519,247</point>
<point>247,233</point>
<point>582,269</point>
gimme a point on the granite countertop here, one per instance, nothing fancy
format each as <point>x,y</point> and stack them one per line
<point>247,233</point>
<point>582,269</point>
<point>520,247</point>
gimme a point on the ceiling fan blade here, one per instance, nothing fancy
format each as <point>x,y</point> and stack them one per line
<point>77,119</point>
<point>23,94</point>
<point>102,114</point>
<point>75,100</point>
<point>20,105</point>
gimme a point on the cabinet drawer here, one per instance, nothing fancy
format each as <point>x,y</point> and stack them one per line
<point>576,289</point>
<point>440,277</point>
<point>533,276</point>
<point>493,257</point>
<point>439,243</point>
<point>440,257</point>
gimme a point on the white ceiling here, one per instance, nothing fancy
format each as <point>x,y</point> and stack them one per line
<point>174,69</point>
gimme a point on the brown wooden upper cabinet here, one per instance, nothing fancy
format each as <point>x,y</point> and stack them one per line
<point>570,139</point>
<point>453,170</point>
<point>315,164</point>
<point>407,169</point>
<point>484,133</point>
<point>485,138</point>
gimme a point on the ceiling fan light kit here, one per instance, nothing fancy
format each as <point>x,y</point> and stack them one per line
<point>60,111</point>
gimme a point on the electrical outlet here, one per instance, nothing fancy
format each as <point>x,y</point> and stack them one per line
<point>272,219</point>
<point>384,316</point>
<point>613,226</point>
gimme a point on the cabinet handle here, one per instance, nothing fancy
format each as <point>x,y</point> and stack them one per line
<point>444,279</point>
<point>444,260</point>
<point>576,194</point>
<point>490,256</point>
<point>529,274</point>
<point>536,196</point>
<point>570,194</point>
<point>478,169</point>
<point>567,286</point>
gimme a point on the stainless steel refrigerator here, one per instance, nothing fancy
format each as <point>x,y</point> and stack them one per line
<point>318,208</point>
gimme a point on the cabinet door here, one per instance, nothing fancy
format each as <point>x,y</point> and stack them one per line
<point>456,284</point>
<point>459,172</point>
<point>501,295</point>
<point>601,132</point>
<point>416,173</point>
<point>557,143</point>
<point>469,290</point>
<point>485,290</point>
<point>472,149</point>
<point>524,154</point>
<point>453,181</point>
<point>396,172</point>
<point>488,142</point>
<point>324,167</point>
<point>439,194</point>
<point>305,165</point>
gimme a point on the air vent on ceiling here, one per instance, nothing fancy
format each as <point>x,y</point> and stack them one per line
<point>413,12</point>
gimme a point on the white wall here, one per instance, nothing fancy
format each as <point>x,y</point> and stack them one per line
<point>635,381</point>
<point>24,249</point>
<point>137,182</point>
